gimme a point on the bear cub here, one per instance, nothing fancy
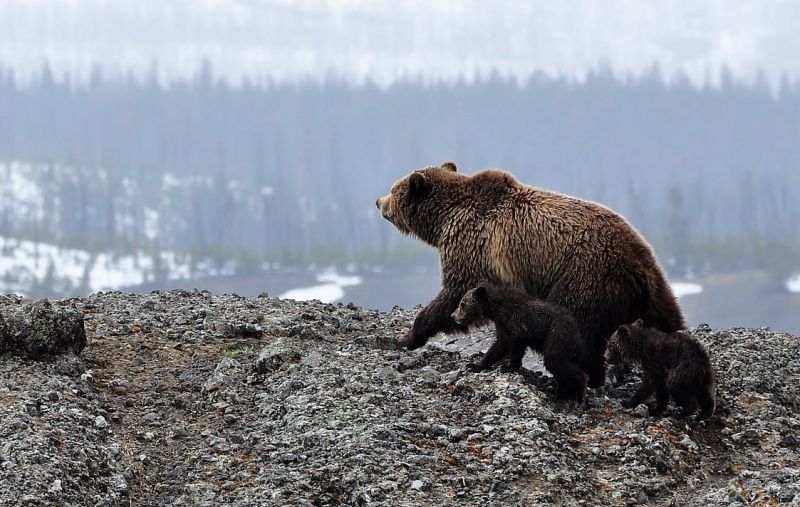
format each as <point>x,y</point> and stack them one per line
<point>673,364</point>
<point>522,322</point>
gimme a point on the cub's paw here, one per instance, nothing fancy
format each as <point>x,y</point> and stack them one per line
<point>475,367</point>
<point>629,403</point>
<point>655,411</point>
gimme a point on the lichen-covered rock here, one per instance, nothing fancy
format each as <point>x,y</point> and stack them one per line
<point>275,354</point>
<point>40,330</point>
<point>321,408</point>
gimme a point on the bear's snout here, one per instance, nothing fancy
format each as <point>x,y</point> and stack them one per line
<point>383,205</point>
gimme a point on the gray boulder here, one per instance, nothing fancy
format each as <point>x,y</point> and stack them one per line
<point>40,330</point>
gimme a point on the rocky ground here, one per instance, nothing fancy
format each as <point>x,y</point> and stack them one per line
<point>189,398</point>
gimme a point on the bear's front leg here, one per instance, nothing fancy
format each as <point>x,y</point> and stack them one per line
<point>435,318</point>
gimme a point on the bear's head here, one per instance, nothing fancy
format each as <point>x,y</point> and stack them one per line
<point>417,203</point>
<point>473,307</point>
<point>625,344</point>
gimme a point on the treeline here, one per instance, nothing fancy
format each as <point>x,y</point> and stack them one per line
<point>289,173</point>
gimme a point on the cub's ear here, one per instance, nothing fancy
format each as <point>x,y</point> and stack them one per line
<point>623,332</point>
<point>418,186</point>
<point>480,293</point>
<point>450,166</point>
<point>638,323</point>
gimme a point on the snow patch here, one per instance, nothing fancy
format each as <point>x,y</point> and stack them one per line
<point>681,289</point>
<point>329,292</point>
<point>793,283</point>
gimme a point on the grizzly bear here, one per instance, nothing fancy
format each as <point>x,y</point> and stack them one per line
<point>673,364</point>
<point>521,322</point>
<point>557,248</point>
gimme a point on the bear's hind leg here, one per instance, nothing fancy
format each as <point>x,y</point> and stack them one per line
<point>515,355</point>
<point>686,401</point>
<point>682,390</point>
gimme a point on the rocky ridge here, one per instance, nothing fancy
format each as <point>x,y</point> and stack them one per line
<point>189,398</point>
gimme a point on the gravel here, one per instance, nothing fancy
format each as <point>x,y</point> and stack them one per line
<point>189,398</point>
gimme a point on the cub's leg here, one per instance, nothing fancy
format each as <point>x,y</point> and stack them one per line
<point>496,352</point>
<point>683,392</point>
<point>641,395</point>
<point>706,400</point>
<point>662,398</point>
<point>515,355</point>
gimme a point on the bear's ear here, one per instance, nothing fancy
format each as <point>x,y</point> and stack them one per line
<point>638,323</point>
<point>450,166</point>
<point>418,186</point>
<point>623,332</point>
<point>480,293</point>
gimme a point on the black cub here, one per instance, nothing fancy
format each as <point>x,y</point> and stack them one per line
<point>673,364</point>
<point>523,322</point>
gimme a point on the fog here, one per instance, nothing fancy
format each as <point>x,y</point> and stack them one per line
<point>239,146</point>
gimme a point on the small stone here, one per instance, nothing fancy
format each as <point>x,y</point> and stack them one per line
<point>236,439</point>
<point>55,487</point>
<point>178,432</point>
<point>119,484</point>
<point>150,418</point>
<point>114,451</point>
<point>387,373</point>
<point>417,485</point>
<point>100,422</point>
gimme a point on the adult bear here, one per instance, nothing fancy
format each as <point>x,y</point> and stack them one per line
<point>489,227</point>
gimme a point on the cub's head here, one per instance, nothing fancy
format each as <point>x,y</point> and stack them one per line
<point>624,344</point>
<point>473,307</point>
<point>417,203</point>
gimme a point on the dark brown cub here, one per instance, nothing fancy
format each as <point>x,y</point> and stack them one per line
<point>673,364</point>
<point>522,322</point>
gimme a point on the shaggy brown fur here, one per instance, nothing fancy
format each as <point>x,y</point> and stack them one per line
<point>523,322</point>
<point>673,364</point>
<point>561,249</point>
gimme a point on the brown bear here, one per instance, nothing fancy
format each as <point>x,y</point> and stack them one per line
<point>673,364</point>
<point>521,322</point>
<point>557,248</point>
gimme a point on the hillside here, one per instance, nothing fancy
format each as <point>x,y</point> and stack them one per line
<point>189,398</point>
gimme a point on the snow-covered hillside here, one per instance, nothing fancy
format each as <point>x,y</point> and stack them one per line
<point>28,267</point>
<point>383,40</point>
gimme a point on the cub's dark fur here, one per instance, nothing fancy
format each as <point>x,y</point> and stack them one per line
<point>673,364</point>
<point>523,322</point>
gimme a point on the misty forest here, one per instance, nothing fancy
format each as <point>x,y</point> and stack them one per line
<point>286,175</point>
